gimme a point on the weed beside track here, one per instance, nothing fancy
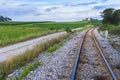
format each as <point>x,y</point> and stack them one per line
<point>16,62</point>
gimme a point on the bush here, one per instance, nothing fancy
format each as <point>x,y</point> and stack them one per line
<point>107,27</point>
<point>115,31</point>
<point>111,28</point>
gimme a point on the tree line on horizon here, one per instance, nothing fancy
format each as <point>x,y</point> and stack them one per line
<point>5,19</point>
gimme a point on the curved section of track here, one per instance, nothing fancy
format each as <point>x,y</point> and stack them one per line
<point>90,62</point>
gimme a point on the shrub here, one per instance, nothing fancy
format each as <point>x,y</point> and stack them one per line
<point>115,31</point>
<point>111,28</point>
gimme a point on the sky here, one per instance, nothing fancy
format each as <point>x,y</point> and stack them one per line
<point>55,10</point>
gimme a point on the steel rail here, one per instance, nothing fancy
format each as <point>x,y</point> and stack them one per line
<point>106,62</point>
<point>77,58</point>
<point>101,53</point>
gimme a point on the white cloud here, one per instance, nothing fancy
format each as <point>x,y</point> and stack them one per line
<point>41,11</point>
<point>67,13</point>
<point>63,14</point>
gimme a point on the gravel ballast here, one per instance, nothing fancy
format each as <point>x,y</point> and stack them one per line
<point>57,65</point>
<point>91,65</point>
<point>111,54</point>
<point>115,41</point>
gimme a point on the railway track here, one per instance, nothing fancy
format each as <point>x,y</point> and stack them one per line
<point>91,63</point>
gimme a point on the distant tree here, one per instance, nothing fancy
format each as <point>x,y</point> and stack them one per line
<point>91,19</point>
<point>86,19</point>
<point>1,19</point>
<point>5,19</point>
<point>8,19</point>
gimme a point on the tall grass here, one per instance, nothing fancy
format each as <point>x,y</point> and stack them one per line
<point>29,68</point>
<point>16,62</point>
<point>9,35</point>
<point>113,29</point>
<point>56,46</point>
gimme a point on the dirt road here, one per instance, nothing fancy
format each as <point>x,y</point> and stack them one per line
<point>13,50</point>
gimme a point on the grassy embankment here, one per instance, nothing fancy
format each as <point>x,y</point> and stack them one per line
<point>12,32</point>
<point>16,62</point>
<point>112,29</point>
<point>56,46</point>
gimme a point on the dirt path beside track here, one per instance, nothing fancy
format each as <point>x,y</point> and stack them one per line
<point>18,48</point>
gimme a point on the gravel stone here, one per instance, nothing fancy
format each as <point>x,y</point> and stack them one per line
<point>111,54</point>
<point>57,65</point>
<point>90,63</point>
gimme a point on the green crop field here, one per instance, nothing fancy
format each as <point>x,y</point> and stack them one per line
<point>10,35</point>
<point>50,25</point>
<point>12,32</point>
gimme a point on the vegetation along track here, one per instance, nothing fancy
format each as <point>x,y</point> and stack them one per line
<point>90,62</point>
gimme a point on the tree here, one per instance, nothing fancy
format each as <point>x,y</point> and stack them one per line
<point>5,19</point>
<point>111,16</point>
<point>1,19</point>
<point>8,19</point>
<point>116,17</point>
<point>107,15</point>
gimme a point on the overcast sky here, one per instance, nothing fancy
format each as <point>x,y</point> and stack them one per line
<point>55,10</point>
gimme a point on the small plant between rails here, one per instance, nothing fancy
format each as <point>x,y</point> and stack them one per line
<point>73,76</point>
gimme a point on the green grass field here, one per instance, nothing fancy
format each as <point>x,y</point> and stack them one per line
<point>9,35</point>
<point>50,25</point>
<point>12,32</point>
